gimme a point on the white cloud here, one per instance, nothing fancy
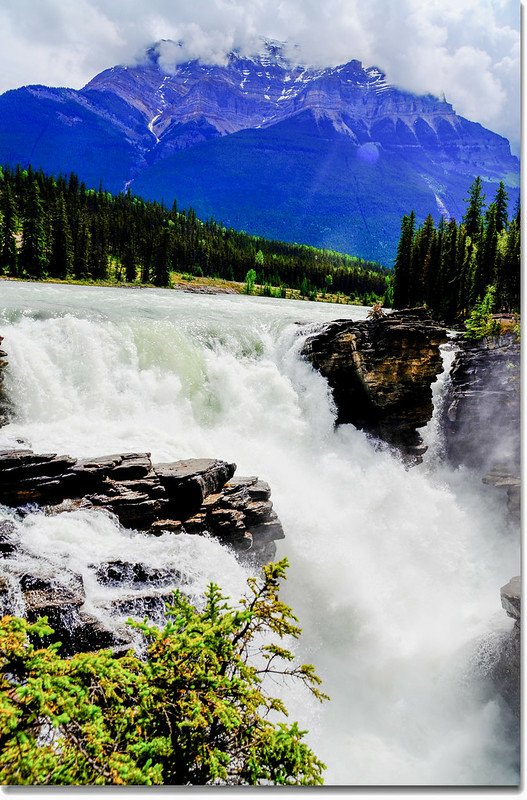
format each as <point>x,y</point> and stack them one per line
<point>468,49</point>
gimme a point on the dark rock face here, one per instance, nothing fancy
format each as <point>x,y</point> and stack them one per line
<point>481,417</point>
<point>482,408</point>
<point>3,398</point>
<point>191,496</point>
<point>511,599</point>
<point>507,669</point>
<point>481,425</point>
<point>188,483</point>
<point>381,373</point>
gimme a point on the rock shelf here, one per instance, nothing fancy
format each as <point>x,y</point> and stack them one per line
<point>190,496</point>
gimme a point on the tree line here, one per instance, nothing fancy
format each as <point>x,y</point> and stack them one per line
<point>56,227</point>
<point>449,266</point>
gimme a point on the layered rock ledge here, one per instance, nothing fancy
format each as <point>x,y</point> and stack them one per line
<point>381,373</point>
<point>192,496</point>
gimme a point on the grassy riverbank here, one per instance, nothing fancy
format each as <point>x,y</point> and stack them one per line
<point>201,285</point>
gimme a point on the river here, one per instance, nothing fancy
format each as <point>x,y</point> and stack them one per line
<point>395,573</point>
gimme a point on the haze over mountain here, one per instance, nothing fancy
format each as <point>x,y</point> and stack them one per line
<point>332,157</point>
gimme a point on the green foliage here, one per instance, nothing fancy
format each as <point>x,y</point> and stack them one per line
<point>54,226</point>
<point>195,710</point>
<point>448,267</point>
<point>476,203</point>
<point>481,322</point>
<point>250,279</point>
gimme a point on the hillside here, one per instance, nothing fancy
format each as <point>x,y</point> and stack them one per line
<point>329,157</point>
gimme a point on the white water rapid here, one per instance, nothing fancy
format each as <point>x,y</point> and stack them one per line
<point>395,573</point>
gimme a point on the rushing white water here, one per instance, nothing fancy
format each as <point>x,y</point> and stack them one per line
<point>395,573</point>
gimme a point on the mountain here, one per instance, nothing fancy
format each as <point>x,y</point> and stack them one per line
<point>331,157</point>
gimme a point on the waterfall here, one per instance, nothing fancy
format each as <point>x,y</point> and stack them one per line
<point>395,573</point>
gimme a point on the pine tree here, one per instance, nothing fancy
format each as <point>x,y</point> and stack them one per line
<point>61,257</point>
<point>99,253</point>
<point>34,254</point>
<point>420,261</point>
<point>403,263</point>
<point>500,202</point>
<point>82,244</point>
<point>8,247</point>
<point>448,278</point>
<point>162,259</point>
<point>510,290</point>
<point>485,261</point>
<point>476,203</point>
<point>129,262</point>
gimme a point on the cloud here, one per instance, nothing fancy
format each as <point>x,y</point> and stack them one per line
<point>467,50</point>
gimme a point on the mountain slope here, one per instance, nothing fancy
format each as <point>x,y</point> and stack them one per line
<point>331,157</point>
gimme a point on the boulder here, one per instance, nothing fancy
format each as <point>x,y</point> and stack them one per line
<point>511,598</point>
<point>381,373</point>
<point>117,573</point>
<point>506,671</point>
<point>9,539</point>
<point>187,483</point>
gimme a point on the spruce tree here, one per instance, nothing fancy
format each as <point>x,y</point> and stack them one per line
<point>61,257</point>
<point>403,263</point>
<point>501,202</point>
<point>476,202</point>
<point>82,248</point>
<point>420,261</point>
<point>129,262</point>
<point>8,246</point>
<point>34,253</point>
<point>162,259</point>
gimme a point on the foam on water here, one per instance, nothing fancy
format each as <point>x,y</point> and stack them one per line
<point>395,574</point>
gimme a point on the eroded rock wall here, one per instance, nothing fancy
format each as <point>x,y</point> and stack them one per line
<point>482,407</point>
<point>381,373</point>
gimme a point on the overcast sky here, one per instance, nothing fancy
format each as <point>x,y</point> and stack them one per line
<point>468,49</point>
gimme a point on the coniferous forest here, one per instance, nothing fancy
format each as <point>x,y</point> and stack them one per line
<point>450,266</point>
<point>57,228</point>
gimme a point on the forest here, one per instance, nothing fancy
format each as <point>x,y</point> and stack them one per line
<point>450,267</point>
<point>55,227</point>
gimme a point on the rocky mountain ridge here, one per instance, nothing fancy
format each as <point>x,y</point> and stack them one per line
<point>331,157</point>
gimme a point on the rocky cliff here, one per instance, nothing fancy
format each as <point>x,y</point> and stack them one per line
<point>481,425</point>
<point>481,413</point>
<point>380,372</point>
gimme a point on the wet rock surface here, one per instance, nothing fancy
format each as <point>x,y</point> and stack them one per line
<point>380,372</point>
<point>194,496</point>
<point>189,496</point>
<point>3,397</point>
<point>481,419</point>
<point>481,426</point>
<point>507,670</point>
<point>481,415</point>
